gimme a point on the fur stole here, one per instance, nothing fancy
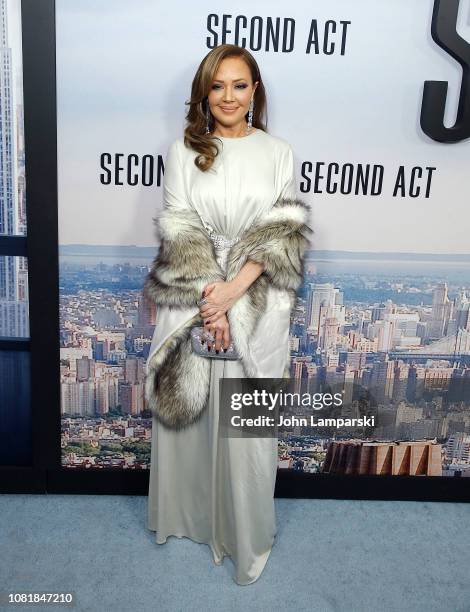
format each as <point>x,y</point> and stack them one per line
<point>177,380</point>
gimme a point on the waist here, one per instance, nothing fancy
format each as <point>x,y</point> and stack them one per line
<point>223,242</point>
<point>220,241</point>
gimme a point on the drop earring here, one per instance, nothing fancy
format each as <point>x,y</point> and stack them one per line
<point>208,118</point>
<point>250,116</point>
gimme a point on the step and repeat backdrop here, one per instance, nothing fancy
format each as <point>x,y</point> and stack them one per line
<point>373,98</point>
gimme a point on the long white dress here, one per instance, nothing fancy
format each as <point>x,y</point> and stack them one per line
<point>218,490</point>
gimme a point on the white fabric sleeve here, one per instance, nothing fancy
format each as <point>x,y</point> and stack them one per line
<point>288,188</point>
<point>174,192</point>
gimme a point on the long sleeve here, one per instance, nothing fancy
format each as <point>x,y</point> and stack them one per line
<point>288,188</point>
<point>185,261</point>
<point>174,193</point>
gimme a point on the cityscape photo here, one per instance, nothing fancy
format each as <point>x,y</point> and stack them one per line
<point>397,325</point>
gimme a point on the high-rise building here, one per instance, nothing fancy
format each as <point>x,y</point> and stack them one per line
<point>146,312</point>
<point>328,334</point>
<point>458,448</point>
<point>415,387</point>
<point>14,319</point>
<point>381,380</point>
<point>85,368</point>
<point>324,300</point>
<point>377,312</point>
<point>400,381</point>
<point>441,312</point>
<point>462,311</point>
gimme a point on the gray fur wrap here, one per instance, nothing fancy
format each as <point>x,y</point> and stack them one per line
<point>178,380</point>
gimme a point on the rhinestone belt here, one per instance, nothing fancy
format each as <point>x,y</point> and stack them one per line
<point>220,241</point>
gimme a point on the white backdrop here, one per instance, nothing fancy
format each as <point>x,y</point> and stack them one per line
<point>124,71</point>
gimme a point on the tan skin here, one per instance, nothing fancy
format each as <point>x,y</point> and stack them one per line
<point>232,87</point>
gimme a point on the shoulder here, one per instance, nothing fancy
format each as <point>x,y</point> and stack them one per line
<point>279,145</point>
<point>176,147</point>
<point>281,152</point>
<point>179,150</point>
<point>178,142</point>
<point>178,154</point>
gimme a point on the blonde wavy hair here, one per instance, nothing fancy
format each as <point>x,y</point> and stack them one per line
<point>194,132</point>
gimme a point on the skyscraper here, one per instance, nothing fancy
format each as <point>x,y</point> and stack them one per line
<point>441,312</point>
<point>13,285</point>
<point>324,301</point>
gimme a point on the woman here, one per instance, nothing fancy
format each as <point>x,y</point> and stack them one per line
<point>232,232</point>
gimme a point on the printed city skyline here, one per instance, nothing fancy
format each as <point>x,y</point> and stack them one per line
<point>405,337</point>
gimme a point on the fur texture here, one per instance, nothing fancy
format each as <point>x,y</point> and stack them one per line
<point>185,262</point>
<point>177,380</point>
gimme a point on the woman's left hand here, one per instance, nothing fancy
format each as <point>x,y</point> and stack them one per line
<point>220,296</point>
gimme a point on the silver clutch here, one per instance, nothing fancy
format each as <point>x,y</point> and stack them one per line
<point>199,337</point>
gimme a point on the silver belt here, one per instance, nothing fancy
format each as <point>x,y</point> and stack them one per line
<point>220,241</point>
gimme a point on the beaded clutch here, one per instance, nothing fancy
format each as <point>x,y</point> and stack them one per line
<point>199,337</point>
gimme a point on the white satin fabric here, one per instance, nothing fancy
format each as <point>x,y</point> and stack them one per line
<point>214,490</point>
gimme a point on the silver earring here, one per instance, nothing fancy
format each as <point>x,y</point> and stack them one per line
<point>250,116</point>
<point>208,118</point>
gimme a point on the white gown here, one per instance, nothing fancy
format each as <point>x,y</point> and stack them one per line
<point>215,490</point>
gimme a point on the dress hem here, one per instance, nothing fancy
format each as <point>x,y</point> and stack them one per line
<point>224,554</point>
<point>177,535</point>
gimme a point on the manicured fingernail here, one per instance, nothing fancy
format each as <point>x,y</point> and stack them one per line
<point>217,351</point>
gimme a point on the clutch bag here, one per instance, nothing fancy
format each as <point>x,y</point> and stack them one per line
<point>199,337</point>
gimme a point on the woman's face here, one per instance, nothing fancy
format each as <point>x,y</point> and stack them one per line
<point>230,93</point>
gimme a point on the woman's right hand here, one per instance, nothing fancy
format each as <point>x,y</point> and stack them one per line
<point>220,329</point>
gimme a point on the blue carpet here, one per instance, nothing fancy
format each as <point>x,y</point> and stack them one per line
<point>329,555</point>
